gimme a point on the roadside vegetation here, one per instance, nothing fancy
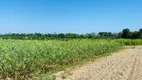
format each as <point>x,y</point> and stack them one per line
<point>27,56</point>
<point>129,42</point>
<point>22,59</point>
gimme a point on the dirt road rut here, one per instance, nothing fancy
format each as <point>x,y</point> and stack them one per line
<point>123,65</point>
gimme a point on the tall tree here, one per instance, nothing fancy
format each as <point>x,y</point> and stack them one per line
<point>126,33</point>
<point>140,31</point>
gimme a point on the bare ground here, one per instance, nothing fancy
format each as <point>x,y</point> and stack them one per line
<point>122,65</point>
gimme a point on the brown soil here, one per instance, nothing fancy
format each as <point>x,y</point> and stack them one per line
<point>122,65</point>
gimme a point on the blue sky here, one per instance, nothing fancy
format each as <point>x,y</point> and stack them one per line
<point>63,16</point>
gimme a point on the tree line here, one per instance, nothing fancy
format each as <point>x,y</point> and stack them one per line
<point>125,33</point>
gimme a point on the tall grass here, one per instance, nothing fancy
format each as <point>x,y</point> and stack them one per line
<point>129,42</point>
<point>22,59</point>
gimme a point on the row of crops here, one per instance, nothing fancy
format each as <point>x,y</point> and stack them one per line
<point>23,59</point>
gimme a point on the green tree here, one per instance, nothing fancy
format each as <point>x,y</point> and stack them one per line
<point>135,35</point>
<point>140,31</point>
<point>126,33</point>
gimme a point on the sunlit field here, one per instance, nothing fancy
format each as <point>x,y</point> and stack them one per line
<point>130,42</point>
<point>25,58</point>
<point>22,59</point>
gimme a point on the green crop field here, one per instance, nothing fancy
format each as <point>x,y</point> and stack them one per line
<point>22,59</point>
<point>130,42</point>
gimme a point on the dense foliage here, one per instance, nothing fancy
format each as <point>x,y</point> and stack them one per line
<point>126,34</point>
<point>22,59</point>
<point>33,54</point>
<point>129,42</point>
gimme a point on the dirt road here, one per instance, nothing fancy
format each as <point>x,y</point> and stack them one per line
<point>122,65</point>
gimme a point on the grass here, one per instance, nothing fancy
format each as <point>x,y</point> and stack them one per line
<point>129,42</point>
<point>23,59</point>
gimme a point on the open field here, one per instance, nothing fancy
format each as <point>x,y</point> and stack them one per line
<point>122,65</point>
<point>24,59</point>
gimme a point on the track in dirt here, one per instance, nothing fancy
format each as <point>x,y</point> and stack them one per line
<point>123,65</point>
